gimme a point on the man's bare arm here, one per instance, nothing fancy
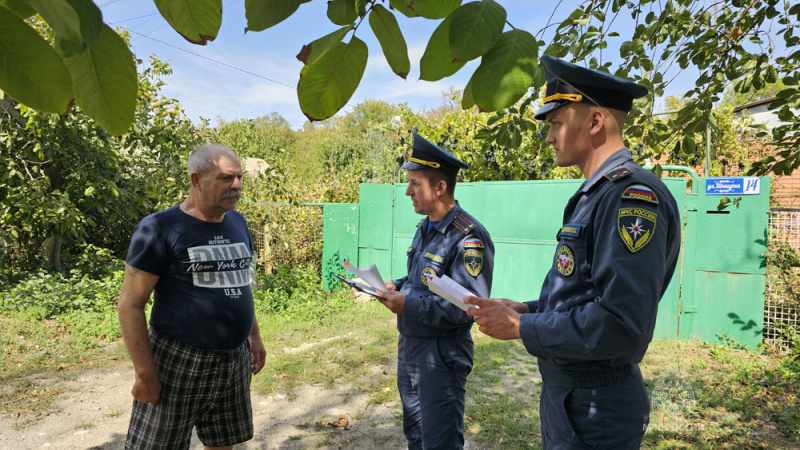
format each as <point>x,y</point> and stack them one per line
<point>136,289</point>
<point>258,353</point>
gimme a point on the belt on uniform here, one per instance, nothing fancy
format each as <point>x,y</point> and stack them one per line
<point>601,376</point>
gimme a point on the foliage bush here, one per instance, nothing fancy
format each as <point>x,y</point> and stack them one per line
<point>88,186</point>
<point>52,295</point>
<point>83,301</point>
<point>295,293</point>
<point>84,298</point>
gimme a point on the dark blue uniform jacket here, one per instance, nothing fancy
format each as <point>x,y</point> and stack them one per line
<point>616,253</point>
<point>460,247</point>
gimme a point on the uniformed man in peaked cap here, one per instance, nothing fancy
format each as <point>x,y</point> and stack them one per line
<point>435,348</point>
<point>616,252</point>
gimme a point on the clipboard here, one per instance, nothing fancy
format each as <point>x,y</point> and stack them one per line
<point>361,287</point>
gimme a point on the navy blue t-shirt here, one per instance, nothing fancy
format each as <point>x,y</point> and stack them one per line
<point>203,295</point>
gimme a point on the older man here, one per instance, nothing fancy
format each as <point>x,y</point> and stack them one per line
<point>193,367</point>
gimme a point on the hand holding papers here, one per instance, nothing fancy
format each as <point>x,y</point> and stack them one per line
<point>496,317</point>
<point>370,275</point>
<point>450,290</point>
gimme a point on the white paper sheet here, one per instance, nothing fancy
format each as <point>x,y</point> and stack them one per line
<point>450,290</point>
<point>370,275</point>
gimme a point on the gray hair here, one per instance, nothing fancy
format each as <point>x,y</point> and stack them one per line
<point>202,158</point>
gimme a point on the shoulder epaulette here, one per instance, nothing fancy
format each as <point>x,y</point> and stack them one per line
<point>617,173</point>
<point>463,224</point>
<point>420,222</point>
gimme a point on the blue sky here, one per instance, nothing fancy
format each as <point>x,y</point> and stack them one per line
<point>209,89</point>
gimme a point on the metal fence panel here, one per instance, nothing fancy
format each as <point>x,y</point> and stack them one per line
<point>340,228</point>
<point>716,294</point>
<point>781,309</point>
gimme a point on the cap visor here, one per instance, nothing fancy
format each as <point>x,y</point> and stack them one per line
<point>541,114</point>
<point>413,166</point>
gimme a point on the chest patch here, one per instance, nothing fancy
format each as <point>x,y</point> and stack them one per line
<point>636,227</point>
<point>565,260</point>
<point>570,229</point>
<point>473,261</point>
<point>427,274</point>
<point>432,257</point>
<point>640,192</point>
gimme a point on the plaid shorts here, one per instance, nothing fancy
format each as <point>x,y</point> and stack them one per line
<point>208,390</point>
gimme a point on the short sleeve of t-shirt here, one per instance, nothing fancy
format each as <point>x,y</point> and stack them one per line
<point>146,251</point>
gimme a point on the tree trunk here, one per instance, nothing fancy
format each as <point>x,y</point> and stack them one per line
<point>52,252</point>
<point>9,106</point>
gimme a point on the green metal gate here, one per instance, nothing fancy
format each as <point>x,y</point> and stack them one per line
<point>724,272</point>
<point>716,293</point>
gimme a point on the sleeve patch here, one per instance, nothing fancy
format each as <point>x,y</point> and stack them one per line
<point>473,243</point>
<point>640,192</point>
<point>473,261</point>
<point>636,227</point>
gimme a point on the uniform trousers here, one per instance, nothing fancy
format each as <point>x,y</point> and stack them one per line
<point>609,416</point>
<point>433,398</point>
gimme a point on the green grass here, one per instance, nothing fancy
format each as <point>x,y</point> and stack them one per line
<point>344,348</point>
<point>502,395</point>
<point>708,396</point>
<point>703,395</point>
<point>33,349</point>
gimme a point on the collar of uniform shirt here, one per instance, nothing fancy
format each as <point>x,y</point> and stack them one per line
<point>619,157</point>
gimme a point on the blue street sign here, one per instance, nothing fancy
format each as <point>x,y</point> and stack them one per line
<point>733,186</point>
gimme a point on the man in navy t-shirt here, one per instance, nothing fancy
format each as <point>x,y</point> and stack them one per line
<point>194,364</point>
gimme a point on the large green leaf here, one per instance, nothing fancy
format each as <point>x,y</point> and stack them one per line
<point>262,14</point>
<point>91,23</point>
<point>506,71</point>
<point>361,7</point>
<point>404,6</point>
<point>342,12</point>
<point>384,25</point>
<point>475,28</point>
<point>104,81</point>
<point>198,21</point>
<point>437,62</point>
<point>21,8</point>
<point>91,18</point>
<point>61,17</point>
<point>314,50</point>
<point>327,84</point>
<point>430,9</point>
<point>31,71</point>
<point>467,99</point>
<point>435,9</point>
<point>74,21</point>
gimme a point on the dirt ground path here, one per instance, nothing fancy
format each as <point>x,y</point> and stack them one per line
<point>94,411</point>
